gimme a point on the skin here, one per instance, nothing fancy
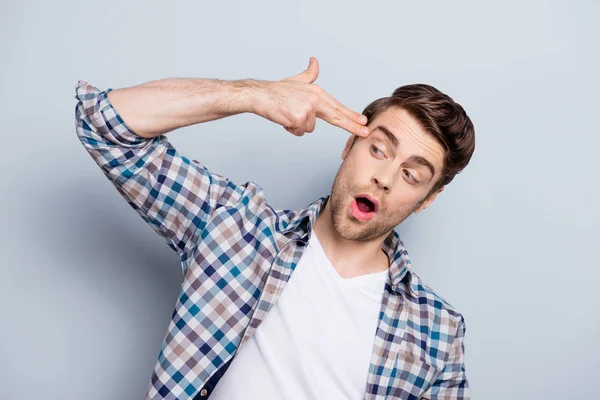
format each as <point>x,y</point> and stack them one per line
<point>374,166</point>
<point>157,107</point>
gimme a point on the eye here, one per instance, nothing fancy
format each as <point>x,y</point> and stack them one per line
<point>376,150</point>
<point>410,176</point>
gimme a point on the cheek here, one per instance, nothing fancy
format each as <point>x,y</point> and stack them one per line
<point>362,166</point>
<point>352,170</point>
<point>405,200</point>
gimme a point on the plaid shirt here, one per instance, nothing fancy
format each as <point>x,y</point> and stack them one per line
<point>237,253</point>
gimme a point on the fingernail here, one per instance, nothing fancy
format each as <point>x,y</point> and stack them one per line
<point>362,119</point>
<point>364,130</point>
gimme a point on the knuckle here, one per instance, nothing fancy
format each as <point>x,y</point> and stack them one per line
<point>298,117</point>
<point>309,109</point>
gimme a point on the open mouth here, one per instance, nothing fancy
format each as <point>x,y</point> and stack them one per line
<point>363,207</point>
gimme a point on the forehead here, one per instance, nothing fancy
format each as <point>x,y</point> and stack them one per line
<point>412,137</point>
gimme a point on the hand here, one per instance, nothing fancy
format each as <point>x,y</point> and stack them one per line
<point>296,103</point>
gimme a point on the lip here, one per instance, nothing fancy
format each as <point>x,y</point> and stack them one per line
<point>358,214</point>
<point>371,199</point>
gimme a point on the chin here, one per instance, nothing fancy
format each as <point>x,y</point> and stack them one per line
<point>350,230</point>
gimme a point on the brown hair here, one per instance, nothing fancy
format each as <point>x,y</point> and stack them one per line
<point>439,115</point>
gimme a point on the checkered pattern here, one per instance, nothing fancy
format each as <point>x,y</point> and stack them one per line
<point>237,253</point>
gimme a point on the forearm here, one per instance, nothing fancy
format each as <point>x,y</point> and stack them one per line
<point>160,106</point>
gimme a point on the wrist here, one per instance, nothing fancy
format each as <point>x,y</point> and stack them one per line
<point>250,94</point>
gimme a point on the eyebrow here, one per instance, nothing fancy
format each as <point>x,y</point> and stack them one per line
<point>391,137</point>
<point>414,159</point>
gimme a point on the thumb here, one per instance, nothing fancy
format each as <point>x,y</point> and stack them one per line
<point>310,74</point>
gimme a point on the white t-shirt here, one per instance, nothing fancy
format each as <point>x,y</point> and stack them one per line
<point>316,341</point>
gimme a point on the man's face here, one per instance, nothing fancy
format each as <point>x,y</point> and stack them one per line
<point>393,168</point>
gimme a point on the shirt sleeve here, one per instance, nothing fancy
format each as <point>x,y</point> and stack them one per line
<point>452,383</point>
<point>174,195</point>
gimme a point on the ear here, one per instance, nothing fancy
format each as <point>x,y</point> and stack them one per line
<point>427,202</point>
<point>348,146</point>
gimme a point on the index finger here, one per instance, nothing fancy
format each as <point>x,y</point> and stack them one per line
<point>336,117</point>
<point>353,115</point>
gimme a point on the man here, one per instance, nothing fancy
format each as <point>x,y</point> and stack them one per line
<point>353,321</point>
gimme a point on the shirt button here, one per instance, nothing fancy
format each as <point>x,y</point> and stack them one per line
<point>203,392</point>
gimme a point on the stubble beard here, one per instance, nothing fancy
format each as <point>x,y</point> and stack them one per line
<point>381,224</point>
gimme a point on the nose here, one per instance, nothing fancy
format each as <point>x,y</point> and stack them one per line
<point>382,182</point>
<point>384,176</point>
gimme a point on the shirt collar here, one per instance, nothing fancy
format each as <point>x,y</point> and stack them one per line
<point>392,245</point>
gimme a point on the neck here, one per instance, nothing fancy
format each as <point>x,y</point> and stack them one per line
<point>350,258</point>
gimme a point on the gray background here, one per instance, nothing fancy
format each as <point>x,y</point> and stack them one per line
<point>87,289</point>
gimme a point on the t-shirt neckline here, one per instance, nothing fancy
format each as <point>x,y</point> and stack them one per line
<point>360,279</point>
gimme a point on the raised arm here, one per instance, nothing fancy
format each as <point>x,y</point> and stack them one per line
<point>123,130</point>
<point>173,194</point>
<point>160,106</point>
<point>157,107</point>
